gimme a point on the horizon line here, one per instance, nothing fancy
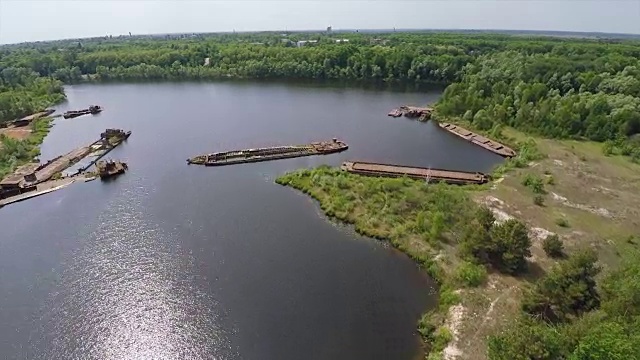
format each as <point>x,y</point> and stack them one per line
<point>342,30</point>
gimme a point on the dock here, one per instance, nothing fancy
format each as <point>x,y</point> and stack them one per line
<point>37,179</point>
<point>42,189</point>
<point>479,140</point>
<point>422,113</point>
<point>268,153</point>
<point>427,174</point>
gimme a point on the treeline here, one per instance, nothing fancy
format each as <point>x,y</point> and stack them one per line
<point>23,92</point>
<point>551,86</point>
<point>588,93</point>
<point>156,60</point>
<point>399,57</point>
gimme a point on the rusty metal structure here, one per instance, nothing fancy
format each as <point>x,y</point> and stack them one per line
<point>109,168</point>
<point>428,174</point>
<point>479,140</point>
<point>268,153</point>
<point>422,113</point>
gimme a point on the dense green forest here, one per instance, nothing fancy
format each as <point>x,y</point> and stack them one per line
<point>551,86</point>
<point>581,91</point>
<point>24,91</point>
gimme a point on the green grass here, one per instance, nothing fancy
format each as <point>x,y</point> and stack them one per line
<point>14,153</point>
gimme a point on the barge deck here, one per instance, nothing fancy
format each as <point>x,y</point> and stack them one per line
<point>479,140</point>
<point>268,153</point>
<point>436,175</point>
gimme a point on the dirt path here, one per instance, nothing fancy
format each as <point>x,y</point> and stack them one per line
<point>18,133</point>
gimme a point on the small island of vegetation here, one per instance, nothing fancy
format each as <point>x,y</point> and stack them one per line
<point>538,265</point>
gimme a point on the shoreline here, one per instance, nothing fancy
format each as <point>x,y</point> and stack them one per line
<point>424,257</point>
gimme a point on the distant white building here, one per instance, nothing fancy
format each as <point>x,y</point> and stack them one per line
<point>302,43</point>
<point>341,41</point>
<point>207,61</point>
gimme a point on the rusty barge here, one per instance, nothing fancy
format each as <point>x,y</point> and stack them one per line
<point>93,109</point>
<point>110,168</point>
<point>428,174</point>
<point>268,153</point>
<point>422,113</point>
<point>479,140</point>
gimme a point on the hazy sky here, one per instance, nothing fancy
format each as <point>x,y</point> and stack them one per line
<point>29,20</point>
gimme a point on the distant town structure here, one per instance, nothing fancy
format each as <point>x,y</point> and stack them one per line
<point>329,29</point>
<point>207,61</point>
<point>302,43</point>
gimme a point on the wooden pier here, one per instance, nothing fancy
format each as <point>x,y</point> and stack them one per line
<point>479,140</point>
<point>435,175</point>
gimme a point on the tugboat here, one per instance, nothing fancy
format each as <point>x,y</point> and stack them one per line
<point>109,168</point>
<point>93,109</point>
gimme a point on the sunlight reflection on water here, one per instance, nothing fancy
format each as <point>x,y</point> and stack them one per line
<point>129,296</point>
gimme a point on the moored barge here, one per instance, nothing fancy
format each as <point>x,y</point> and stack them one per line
<point>93,109</point>
<point>268,153</point>
<point>479,140</point>
<point>428,174</point>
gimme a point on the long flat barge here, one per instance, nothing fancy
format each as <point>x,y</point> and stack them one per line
<point>268,153</point>
<point>435,175</point>
<point>479,140</point>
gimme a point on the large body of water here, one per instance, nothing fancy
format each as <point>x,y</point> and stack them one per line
<point>172,261</point>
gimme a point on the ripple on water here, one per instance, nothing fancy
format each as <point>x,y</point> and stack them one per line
<point>132,295</point>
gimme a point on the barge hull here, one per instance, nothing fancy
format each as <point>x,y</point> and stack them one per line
<point>387,170</point>
<point>268,154</point>
<point>479,140</point>
<point>259,159</point>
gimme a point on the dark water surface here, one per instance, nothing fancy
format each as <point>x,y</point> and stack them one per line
<point>184,262</point>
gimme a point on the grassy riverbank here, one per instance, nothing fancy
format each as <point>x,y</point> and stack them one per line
<point>421,220</point>
<point>588,199</point>
<point>15,152</point>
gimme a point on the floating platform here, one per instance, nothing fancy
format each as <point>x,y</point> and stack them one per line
<point>93,109</point>
<point>435,175</point>
<point>268,153</point>
<point>479,140</point>
<point>422,113</point>
<point>42,189</point>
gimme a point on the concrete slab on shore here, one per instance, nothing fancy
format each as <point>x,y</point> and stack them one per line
<point>42,189</point>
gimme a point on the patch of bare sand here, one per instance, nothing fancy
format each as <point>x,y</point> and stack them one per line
<point>453,323</point>
<point>18,133</point>
<point>598,211</point>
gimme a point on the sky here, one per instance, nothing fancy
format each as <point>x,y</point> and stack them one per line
<point>33,20</point>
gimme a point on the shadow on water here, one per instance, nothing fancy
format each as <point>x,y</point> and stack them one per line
<point>197,263</point>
